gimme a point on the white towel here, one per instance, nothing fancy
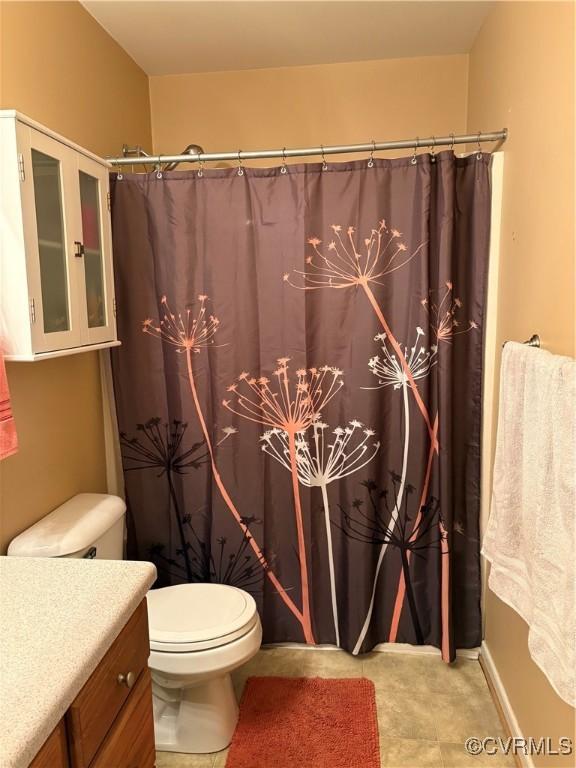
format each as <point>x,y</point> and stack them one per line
<point>530,541</point>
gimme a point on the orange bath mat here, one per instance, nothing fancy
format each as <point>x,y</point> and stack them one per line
<point>306,723</point>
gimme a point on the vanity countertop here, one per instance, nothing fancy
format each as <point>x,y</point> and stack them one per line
<point>58,617</point>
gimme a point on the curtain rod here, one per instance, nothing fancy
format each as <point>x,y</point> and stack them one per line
<point>282,154</point>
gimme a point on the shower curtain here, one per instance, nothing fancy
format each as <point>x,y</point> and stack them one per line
<point>299,390</point>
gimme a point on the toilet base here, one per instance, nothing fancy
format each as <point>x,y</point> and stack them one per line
<point>196,719</point>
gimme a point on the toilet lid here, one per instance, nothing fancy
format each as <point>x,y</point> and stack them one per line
<point>198,616</point>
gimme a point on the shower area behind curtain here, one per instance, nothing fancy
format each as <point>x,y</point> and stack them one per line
<point>299,390</point>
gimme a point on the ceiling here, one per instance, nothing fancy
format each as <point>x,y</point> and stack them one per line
<point>166,37</point>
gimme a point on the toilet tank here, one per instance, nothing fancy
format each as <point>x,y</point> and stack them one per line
<point>87,525</point>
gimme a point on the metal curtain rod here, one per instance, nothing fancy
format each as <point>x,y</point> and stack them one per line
<point>206,157</point>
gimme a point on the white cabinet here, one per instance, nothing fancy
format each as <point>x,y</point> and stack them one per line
<point>56,278</point>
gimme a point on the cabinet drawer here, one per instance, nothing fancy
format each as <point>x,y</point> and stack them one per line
<point>93,711</point>
<point>54,753</point>
<point>130,742</point>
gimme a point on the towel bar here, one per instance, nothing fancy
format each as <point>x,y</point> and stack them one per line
<point>533,341</point>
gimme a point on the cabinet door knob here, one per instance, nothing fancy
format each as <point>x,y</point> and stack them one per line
<point>128,679</point>
<point>79,248</point>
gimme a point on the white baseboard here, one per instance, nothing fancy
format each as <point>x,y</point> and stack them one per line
<point>424,650</point>
<point>415,650</point>
<point>513,725</point>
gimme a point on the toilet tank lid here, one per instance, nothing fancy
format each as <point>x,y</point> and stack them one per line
<point>71,527</point>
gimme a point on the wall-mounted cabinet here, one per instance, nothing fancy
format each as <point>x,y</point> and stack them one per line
<point>56,276</point>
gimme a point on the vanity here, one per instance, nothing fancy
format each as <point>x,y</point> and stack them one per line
<point>75,689</point>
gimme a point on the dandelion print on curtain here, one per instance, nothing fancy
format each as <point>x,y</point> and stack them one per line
<point>299,390</point>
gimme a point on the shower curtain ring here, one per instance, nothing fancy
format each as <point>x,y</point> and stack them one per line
<point>158,167</point>
<point>324,163</point>
<point>371,158</point>
<point>479,152</point>
<point>414,161</point>
<point>284,169</point>
<point>433,150</point>
<point>240,168</point>
<point>452,142</point>
<point>200,172</point>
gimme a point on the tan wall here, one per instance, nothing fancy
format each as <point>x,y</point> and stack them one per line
<point>61,68</point>
<point>522,76</point>
<point>300,106</point>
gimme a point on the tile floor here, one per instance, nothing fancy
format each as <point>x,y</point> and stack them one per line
<point>426,710</point>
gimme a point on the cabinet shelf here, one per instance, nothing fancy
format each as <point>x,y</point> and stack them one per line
<point>50,244</point>
<point>56,246</point>
<point>60,352</point>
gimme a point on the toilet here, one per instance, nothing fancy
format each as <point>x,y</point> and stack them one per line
<point>199,633</point>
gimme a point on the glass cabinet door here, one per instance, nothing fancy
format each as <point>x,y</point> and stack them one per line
<point>92,245</point>
<point>96,282</point>
<point>51,268</point>
<point>48,201</point>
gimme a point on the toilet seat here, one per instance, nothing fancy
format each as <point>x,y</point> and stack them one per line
<point>195,617</point>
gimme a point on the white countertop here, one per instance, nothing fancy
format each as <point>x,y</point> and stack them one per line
<point>58,617</point>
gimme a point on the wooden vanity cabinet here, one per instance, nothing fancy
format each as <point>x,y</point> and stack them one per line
<point>130,741</point>
<point>95,709</point>
<point>110,723</point>
<point>54,753</point>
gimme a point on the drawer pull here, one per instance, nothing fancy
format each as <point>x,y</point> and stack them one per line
<point>128,679</point>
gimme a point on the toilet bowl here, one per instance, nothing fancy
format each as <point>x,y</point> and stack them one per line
<point>199,633</point>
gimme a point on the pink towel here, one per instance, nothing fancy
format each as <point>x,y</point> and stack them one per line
<point>8,438</point>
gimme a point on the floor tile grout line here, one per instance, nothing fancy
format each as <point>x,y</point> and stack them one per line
<point>435,724</point>
<point>441,754</point>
